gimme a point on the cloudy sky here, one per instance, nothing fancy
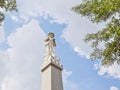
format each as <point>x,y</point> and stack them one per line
<point>22,48</point>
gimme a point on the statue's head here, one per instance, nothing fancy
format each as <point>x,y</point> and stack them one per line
<point>51,35</point>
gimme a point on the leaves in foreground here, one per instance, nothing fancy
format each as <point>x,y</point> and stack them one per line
<point>101,11</point>
<point>6,6</point>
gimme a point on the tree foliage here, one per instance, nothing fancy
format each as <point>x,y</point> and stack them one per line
<point>5,6</point>
<point>101,11</point>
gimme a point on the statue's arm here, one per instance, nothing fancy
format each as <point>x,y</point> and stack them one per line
<point>54,43</point>
<point>46,41</point>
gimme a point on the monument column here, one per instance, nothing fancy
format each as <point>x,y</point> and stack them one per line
<point>51,69</point>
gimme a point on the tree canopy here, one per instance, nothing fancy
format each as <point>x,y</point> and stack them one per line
<point>6,6</point>
<point>101,11</point>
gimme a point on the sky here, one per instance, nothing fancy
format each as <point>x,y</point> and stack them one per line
<point>22,49</point>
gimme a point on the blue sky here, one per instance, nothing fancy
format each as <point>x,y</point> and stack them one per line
<point>22,48</point>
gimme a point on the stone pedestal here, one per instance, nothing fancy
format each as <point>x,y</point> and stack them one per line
<point>51,75</point>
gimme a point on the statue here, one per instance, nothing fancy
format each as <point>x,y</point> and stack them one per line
<point>50,45</point>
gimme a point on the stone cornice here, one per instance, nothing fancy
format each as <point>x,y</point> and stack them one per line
<point>51,62</point>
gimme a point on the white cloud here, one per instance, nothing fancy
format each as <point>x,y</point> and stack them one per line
<point>80,52</point>
<point>61,12</point>
<point>3,66</point>
<point>113,88</point>
<point>111,71</point>
<point>25,57</point>
<point>68,84</point>
<point>66,75</point>
<point>14,18</point>
<point>75,33</point>
<point>2,34</point>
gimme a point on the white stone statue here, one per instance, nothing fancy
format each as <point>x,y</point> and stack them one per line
<point>50,45</point>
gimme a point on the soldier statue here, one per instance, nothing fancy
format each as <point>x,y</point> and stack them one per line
<point>50,45</point>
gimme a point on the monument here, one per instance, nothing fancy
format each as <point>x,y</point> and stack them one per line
<point>51,69</point>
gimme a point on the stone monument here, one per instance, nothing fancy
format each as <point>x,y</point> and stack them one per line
<point>51,69</point>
